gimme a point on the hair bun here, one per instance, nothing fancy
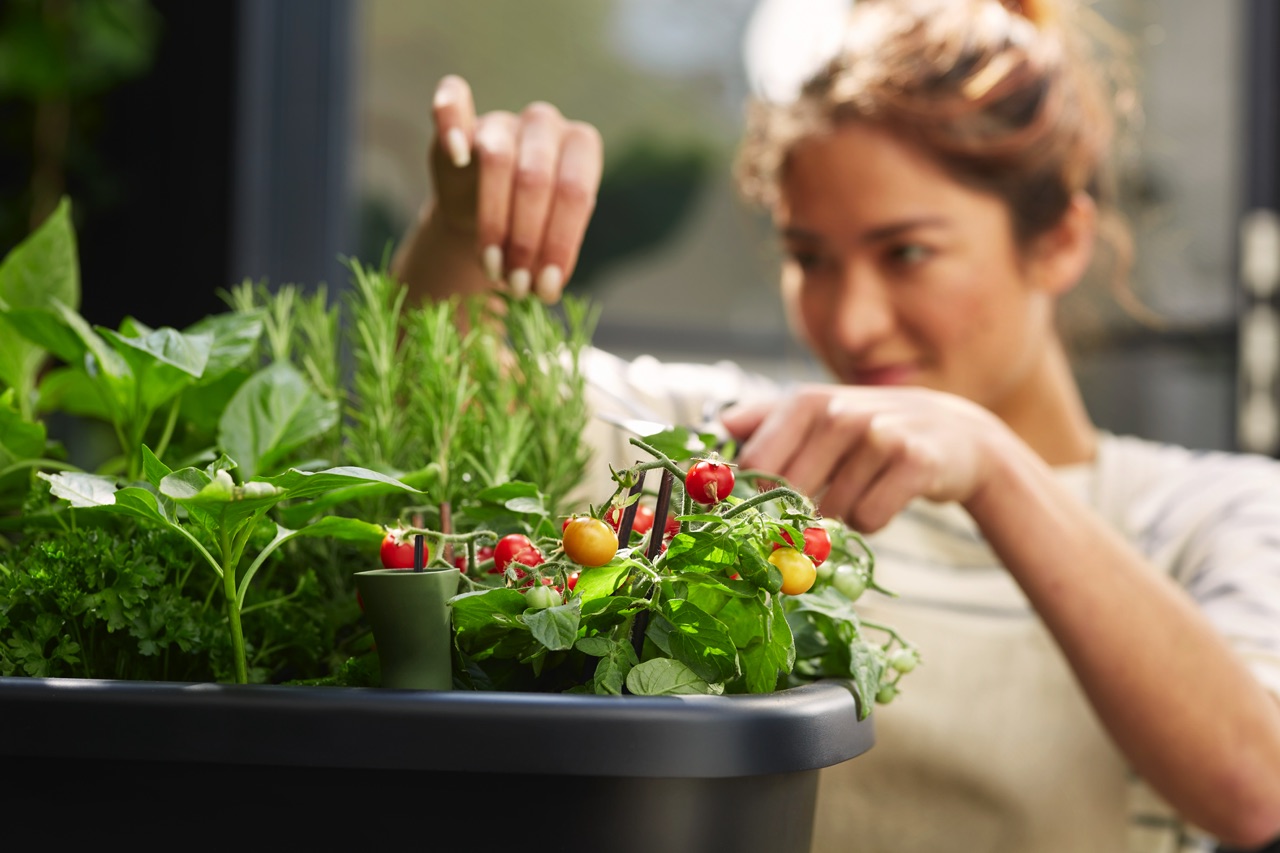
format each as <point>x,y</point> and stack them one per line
<point>1038,12</point>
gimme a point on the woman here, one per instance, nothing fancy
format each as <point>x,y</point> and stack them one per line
<point>1099,616</point>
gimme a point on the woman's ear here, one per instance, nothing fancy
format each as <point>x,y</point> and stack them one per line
<point>1061,256</point>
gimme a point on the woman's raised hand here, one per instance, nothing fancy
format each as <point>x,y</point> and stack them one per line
<point>516,189</point>
<point>864,453</point>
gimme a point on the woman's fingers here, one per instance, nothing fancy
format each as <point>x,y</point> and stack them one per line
<point>864,454</point>
<point>573,201</point>
<point>455,115</point>
<point>536,168</point>
<point>538,177</point>
<point>497,140</point>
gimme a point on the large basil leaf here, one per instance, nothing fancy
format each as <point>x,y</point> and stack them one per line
<point>274,412</point>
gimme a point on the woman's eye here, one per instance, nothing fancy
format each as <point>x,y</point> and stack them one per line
<point>909,253</point>
<point>807,261</point>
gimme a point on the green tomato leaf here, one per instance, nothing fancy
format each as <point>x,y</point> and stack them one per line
<point>616,660</point>
<point>703,551</point>
<point>828,602</point>
<point>274,412</point>
<point>758,571</point>
<point>664,677</point>
<point>760,667</point>
<point>701,642</point>
<point>867,668</point>
<point>556,627</point>
<point>780,638</point>
<point>602,614</point>
<point>482,619</point>
<point>746,620</point>
<point>596,647</point>
<point>603,580</point>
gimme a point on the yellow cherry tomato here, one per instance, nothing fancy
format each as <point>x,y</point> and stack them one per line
<point>589,541</point>
<point>798,571</point>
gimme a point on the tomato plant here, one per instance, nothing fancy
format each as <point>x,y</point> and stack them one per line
<point>397,550</point>
<point>709,481</point>
<point>798,571</point>
<point>717,609</point>
<point>515,548</point>
<point>589,542</point>
<point>817,544</point>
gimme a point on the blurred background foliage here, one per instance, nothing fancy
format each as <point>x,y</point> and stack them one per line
<point>58,58</point>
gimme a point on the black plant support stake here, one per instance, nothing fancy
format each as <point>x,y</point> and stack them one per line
<point>660,510</point>
<point>419,552</point>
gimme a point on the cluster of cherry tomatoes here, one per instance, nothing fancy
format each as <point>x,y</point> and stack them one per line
<point>592,542</point>
<point>709,481</point>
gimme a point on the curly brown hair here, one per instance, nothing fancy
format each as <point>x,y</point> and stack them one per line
<point>1022,100</point>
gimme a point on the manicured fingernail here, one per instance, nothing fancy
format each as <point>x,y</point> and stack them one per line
<point>519,281</point>
<point>550,280</point>
<point>459,148</point>
<point>492,260</point>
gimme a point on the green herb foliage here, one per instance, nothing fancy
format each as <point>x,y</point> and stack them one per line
<point>110,604</point>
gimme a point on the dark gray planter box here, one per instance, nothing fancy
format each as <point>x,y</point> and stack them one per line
<point>596,773</point>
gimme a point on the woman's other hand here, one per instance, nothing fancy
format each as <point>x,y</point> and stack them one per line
<point>864,453</point>
<point>513,191</point>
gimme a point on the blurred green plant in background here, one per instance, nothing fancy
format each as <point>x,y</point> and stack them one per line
<point>57,59</point>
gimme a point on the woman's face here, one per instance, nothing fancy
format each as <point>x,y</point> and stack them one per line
<point>898,275</point>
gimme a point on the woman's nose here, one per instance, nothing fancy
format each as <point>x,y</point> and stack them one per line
<point>863,314</point>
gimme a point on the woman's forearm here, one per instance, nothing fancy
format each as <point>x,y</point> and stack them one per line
<point>1180,704</point>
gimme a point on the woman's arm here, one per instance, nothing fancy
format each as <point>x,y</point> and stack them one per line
<point>1178,702</point>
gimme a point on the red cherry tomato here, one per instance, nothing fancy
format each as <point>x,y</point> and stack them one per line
<point>709,481</point>
<point>589,542</point>
<point>397,550</point>
<point>817,544</point>
<point>642,524</point>
<point>515,548</point>
<point>572,580</point>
